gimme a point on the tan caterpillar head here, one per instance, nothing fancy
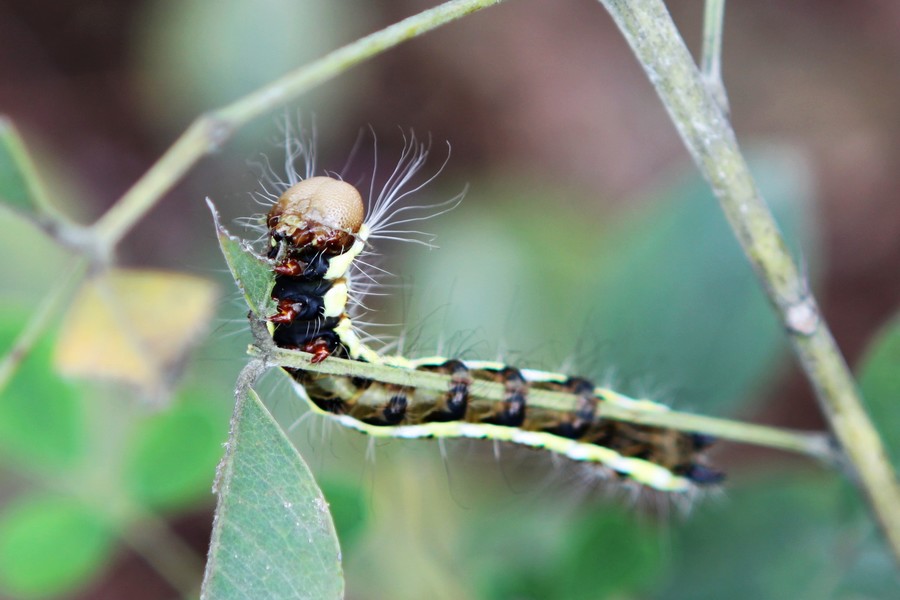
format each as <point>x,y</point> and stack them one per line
<point>319,212</point>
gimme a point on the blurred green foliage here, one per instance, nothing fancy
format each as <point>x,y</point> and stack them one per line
<point>600,555</point>
<point>50,544</point>
<point>42,417</point>
<point>660,299</point>
<point>780,536</point>
<point>879,378</point>
<point>82,464</point>
<point>96,462</point>
<point>172,455</point>
<point>196,56</point>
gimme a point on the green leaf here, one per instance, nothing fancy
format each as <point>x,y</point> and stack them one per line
<point>34,272</point>
<point>273,535</point>
<point>609,553</point>
<point>879,379</point>
<point>797,537</point>
<point>41,416</point>
<point>15,190</point>
<point>347,506</point>
<point>606,553</point>
<point>873,572</point>
<point>173,458</point>
<point>681,307</point>
<point>50,545</point>
<point>252,274</point>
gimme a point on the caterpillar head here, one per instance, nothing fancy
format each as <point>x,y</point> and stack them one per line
<point>321,213</point>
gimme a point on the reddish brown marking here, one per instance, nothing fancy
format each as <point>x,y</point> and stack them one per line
<point>291,267</point>
<point>322,237</point>
<point>287,310</point>
<point>314,234</point>
<point>319,349</point>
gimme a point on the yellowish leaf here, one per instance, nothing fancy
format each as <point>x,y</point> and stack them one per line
<point>134,326</point>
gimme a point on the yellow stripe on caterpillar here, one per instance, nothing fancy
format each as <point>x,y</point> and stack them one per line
<point>340,264</point>
<point>640,470</point>
<point>334,302</point>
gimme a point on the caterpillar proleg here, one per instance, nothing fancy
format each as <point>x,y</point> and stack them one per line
<point>316,231</point>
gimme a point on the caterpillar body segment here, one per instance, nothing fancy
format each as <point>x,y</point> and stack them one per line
<point>664,459</point>
<point>315,232</point>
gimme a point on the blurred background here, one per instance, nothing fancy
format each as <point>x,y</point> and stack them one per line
<point>586,242</point>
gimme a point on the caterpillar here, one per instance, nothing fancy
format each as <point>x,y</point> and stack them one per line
<point>315,231</point>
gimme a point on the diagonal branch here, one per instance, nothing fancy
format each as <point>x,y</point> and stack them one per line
<point>711,141</point>
<point>208,132</point>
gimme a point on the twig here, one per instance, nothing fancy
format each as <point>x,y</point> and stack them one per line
<point>710,138</point>
<point>211,130</point>
<point>44,215</point>
<point>711,58</point>
<point>36,190</point>
<point>814,444</point>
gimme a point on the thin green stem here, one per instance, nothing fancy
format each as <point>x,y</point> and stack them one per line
<point>814,444</point>
<point>711,141</point>
<point>53,304</point>
<point>203,136</point>
<point>210,131</point>
<point>16,147</point>
<point>36,206</point>
<point>711,58</point>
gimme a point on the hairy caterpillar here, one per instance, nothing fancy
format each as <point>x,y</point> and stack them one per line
<point>315,231</point>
